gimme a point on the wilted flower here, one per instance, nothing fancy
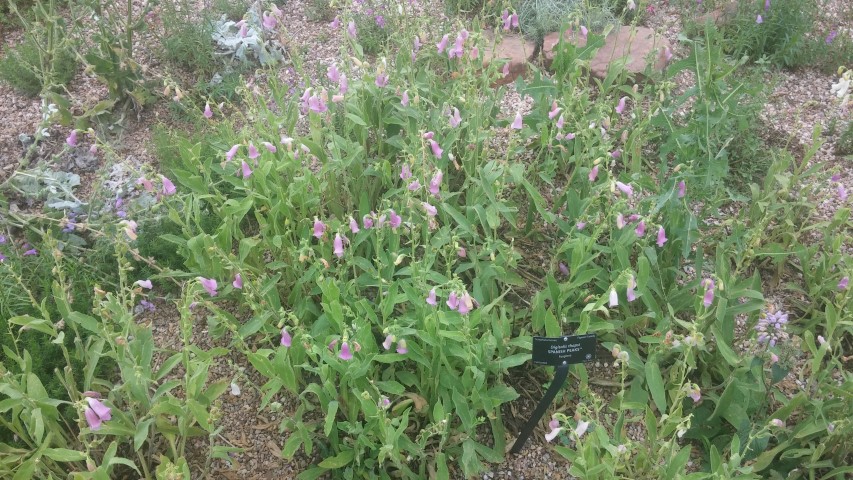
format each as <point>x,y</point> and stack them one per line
<point>694,392</point>
<point>401,347</point>
<point>620,221</point>
<point>517,123</point>
<point>146,184</point>
<point>129,228</point>
<point>581,428</point>
<point>319,228</point>
<point>614,298</point>
<point>631,5</point>
<point>661,237</point>
<point>346,353</point>
<point>144,284</point>
<point>238,281</point>
<point>209,284</point>
<point>96,413</point>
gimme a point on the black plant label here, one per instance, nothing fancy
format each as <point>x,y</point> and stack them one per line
<point>563,350</point>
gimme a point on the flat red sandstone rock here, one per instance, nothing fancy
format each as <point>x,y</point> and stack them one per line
<point>511,47</point>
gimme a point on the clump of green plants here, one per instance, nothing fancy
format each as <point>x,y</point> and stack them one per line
<point>775,30</point>
<point>374,22</point>
<point>45,59</point>
<point>320,11</point>
<point>186,38</point>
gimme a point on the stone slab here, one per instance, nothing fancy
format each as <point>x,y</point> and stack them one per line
<point>512,47</point>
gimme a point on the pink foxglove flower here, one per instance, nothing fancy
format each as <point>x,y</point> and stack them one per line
<point>416,184</point>
<point>269,22</point>
<point>661,237</point>
<point>629,292</point>
<point>435,183</point>
<point>708,298</point>
<point>405,172</point>
<point>72,139</point>
<point>394,220</point>
<point>555,430</point>
<point>842,192</point>
<point>247,171</point>
<point>614,298</point>
<point>351,29</point>
<point>564,269</point>
<point>620,108</point>
<point>626,189</point>
<point>682,189</point>
<point>430,210</point>
<point>144,284</point>
<point>505,18</point>
<point>455,118</point>
<point>584,31</point>
<point>442,44</point>
<point>317,105</point>
<point>336,23</point>
<point>517,123</point>
<point>436,149</point>
<point>146,184</point>
<point>513,20</point>
<point>353,226</point>
<point>168,186</point>
<point>766,5</point>
<point>270,147</point>
<point>774,358</point>
<point>466,303</point>
<point>129,228</point>
<point>641,229</point>
<point>96,413</point>
<point>457,50</point>
<point>333,74</point>
<point>238,282</point>
<point>593,174</point>
<point>759,20</point>
<point>842,284</point>
<point>555,110</point>
<point>389,339</point>
<point>401,347</point>
<point>616,153</point>
<point>319,228</point>
<point>452,301</point>
<point>346,353</point>
<point>580,225</point>
<point>208,113</point>
<point>581,428</point>
<point>209,284</point>
<point>431,299</point>
<point>286,339</point>
<point>381,80</point>
<point>428,135</point>
<point>404,100</point>
<point>343,84</point>
<point>367,220</point>
<point>695,394</point>
<point>560,122</point>
<point>338,245</point>
<point>230,154</point>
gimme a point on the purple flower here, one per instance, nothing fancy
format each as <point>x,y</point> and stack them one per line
<point>661,237</point>
<point>516,124</point>
<point>513,20</point>
<point>682,189</point>
<point>614,298</point>
<point>230,154</point>
<point>831,36</point>
<point>353,225</point>
<point>96,413</point>
<point>616,153</point>
<point>563,269</point>
<point>430,210</point>
<point>2,239</point>
<point>554,424</point>
<point>351,29</point>
<point>208,113</point>
<point>466,303</point>
<point>209,284</point>
<point>381,80</point>
<point>405,172</point>
<point>367,220</point>
<point>269,22</point>
<point>336,23</point>
<point>457,50</point>
<point>401,347</point>
<point>319,228</point>
<point>695,394</point>
<point>560,122</point>
<point>555,110</point>
<point>380,21</point>
<point>317,105</point>
<point>436,149</point>
<point>842,284</point>
<point>338,245</point>
<point>441,45</point>
<point>270,147</point>
<point>453,301</point>
<point>72,139</point>
<point>394,220</point>
<point>430,299</point>
<point>144,284</point>
<point>286,339</point>
<point>506,19</point>
<point>404,100</point>
<point>766,5</point>
<point>629,292</point>
<point>455,118</point>
<point>626,189</point>
<point>389,339</point>
<point>343,84</point>
<point>333,74</point>
<point>168,186</point>
<point>475,52</point>
<point>435,183</point>
<point>771,328</point>
<point>584,31</point>
<point>759,20</point>
<point>580,225</point>
<point>238,281</point>
<point>593,174</point>
<point>842,192</point>
<point>621,106</point>
<point>247,171</point>
<point>461,252</point>
<point>708,298</point>
<point>29,251</point>
<point>641,229</point>
<point>345,354</point>
<point>146,184</point>
<point>416,184</point>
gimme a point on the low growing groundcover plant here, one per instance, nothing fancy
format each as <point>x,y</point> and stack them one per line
<point>365,244</point>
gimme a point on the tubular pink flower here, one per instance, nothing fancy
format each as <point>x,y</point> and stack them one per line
<point>343,85</point>
<point>405,172</point>
<point>517,123</point>
<point>842,284</point>
<point>230,154</point>
<point>351,29</point>
<point>346,353</point>
<point>102,411</point>
<point>144,284</point>
<point>436,149</point>
<point>435,183</point>
<point>209,284</point>
<point>381,80</point>
<point>238,281</point>
<point>247,171</point>
<point>168,186</point>
<point>555,110</point>
<point>335,24</point>
<point>416,184</point>
<point>629,292</point>
<point>404,100</point>
<point>333,74</point>
<point>431,299</point>
<point>682,189</point>
<point>560,122</point>
<point>401,347</point>
<point>389,339</point>
<point>92,419</point>
<point>620,108</point>
<point>353,226</point>
<point>661,237</point>
<point>319,228</point>
<point>208,113</point>
<point>394,220</point>
<point>367,220</point>
<point>584,31</point>
<point>441,45</point>
<point>338,245</point>
<point>430,210</point>
<point>270,147</point>
<point>455,118</point>
<point>614,298</point>
<point>72,139</point>
<point>620,221</point>
<point>564,269</point>
<point>513,20</point>
<point>286,339</point>
<point>626,189</point>
<point>452,301</point>
<point>641,229</point>
<point>593,173</point>
<point>269,22</point>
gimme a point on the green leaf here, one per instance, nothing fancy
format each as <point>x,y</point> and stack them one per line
<point>340,460</point>
<point>291,445</point>
<point>330,417</point>
<point>141,433</point>
<point>64,455</point>
<point>655,383</point>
